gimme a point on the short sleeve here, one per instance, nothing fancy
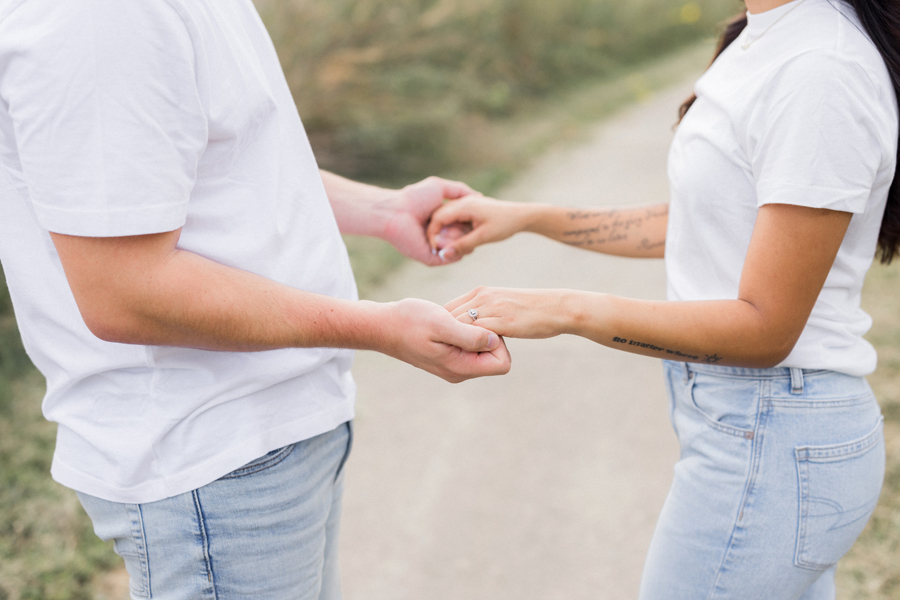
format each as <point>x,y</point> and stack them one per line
<point>104,108</point>
<point>818,136</point>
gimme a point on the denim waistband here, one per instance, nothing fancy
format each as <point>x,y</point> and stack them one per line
<point>744,372</point>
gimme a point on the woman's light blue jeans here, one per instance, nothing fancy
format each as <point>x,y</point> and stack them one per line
<point>267,531</point>
<point>780,470</point>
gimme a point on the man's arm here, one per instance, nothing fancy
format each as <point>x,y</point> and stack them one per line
<point>144,290</point>
<point>397,216</point>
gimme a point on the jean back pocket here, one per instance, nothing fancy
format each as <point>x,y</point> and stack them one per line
<point>839,488</point>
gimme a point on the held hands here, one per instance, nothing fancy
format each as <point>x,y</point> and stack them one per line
<point>428,337</point>
<point>458,227</point>
<point>413,206</point>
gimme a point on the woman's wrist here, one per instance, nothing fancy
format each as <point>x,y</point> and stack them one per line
<point>583,313</point>
<point>531,217</point>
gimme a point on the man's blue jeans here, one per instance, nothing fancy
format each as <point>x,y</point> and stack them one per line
<point>267,531</point>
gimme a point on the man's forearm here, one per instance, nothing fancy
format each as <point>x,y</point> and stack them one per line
<point>181,299</point>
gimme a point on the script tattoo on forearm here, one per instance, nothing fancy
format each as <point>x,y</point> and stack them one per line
<point>710,359</point>
<point>596,228</point>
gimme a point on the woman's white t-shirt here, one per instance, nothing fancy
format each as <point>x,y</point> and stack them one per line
<point>122,118</point>
<point>803,115</point>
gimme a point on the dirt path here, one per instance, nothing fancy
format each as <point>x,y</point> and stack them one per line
<point>542,484</point>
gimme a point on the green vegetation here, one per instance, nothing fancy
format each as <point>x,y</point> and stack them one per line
<point>391,91</point>
<point>394,90</point>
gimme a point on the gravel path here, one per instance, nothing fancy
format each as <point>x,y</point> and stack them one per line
<point>543,484</point>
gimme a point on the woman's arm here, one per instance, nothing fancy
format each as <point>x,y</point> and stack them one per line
<point>788,260</point>
<point>638,232</point>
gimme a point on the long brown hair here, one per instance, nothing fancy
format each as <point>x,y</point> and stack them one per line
<point>881,20</point>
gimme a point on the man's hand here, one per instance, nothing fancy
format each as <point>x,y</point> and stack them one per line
<point>397,216</point>
<point>427,336</point>
<point>415,205</point>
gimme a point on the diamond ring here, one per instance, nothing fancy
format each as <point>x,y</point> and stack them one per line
<point>473,313</point>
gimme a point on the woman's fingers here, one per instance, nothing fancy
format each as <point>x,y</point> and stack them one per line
<point>457,302</point>
<point>450,214</point>
<point>513,312</point>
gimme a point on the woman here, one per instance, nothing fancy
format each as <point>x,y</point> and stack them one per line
<point>783,183</point>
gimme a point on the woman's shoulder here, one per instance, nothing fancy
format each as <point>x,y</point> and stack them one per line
<point>831,38</point>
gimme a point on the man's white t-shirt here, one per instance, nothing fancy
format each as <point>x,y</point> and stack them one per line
<point>122,118</point>
<point>805,115</point>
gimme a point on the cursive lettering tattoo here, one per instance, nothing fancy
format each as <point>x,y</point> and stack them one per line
<point>710,358</point>
<point>611,226</point>
<point>646,244</point>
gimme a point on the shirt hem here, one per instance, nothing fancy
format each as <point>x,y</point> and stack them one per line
<point>222,464</point>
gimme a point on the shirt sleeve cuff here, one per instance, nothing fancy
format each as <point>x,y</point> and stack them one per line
<point>814,197</point>
<point>116,223</point>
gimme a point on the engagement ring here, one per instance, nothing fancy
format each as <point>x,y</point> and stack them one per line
<point>473,313</point>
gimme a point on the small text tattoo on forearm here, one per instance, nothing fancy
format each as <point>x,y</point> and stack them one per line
<point>708,358</point>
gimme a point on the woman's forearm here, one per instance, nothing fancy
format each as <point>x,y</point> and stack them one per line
<point>725,332</point>
<point>787,262</point>
<point>638,232</point>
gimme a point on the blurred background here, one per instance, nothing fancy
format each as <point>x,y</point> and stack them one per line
<point>391,91</point>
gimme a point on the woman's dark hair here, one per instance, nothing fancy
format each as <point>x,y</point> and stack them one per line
<point>881,20</point>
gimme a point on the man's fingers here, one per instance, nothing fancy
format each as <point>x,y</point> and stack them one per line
<point>454,190</point>
<point>468,365</point>
<point>469,338</point>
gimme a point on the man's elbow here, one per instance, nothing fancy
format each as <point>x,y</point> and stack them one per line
<point>111,325</point>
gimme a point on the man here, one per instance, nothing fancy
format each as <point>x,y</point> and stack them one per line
<point>174,258</point>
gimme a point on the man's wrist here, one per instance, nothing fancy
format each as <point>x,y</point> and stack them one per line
<point>369,326</point>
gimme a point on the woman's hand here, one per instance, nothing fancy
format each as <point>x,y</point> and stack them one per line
<point>516,313</point>
<point>460,226</point>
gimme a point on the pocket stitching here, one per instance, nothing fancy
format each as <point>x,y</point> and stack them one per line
<point>837,453</point>
<point>261,466</point>
<point>842,451</point>
<point>821,402</point>
<point>747,434</point>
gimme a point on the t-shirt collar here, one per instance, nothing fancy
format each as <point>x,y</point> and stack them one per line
<point>757,23</point>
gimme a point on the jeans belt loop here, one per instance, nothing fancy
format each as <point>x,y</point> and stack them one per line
<point>796,380</point>
<point>687,371</point>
